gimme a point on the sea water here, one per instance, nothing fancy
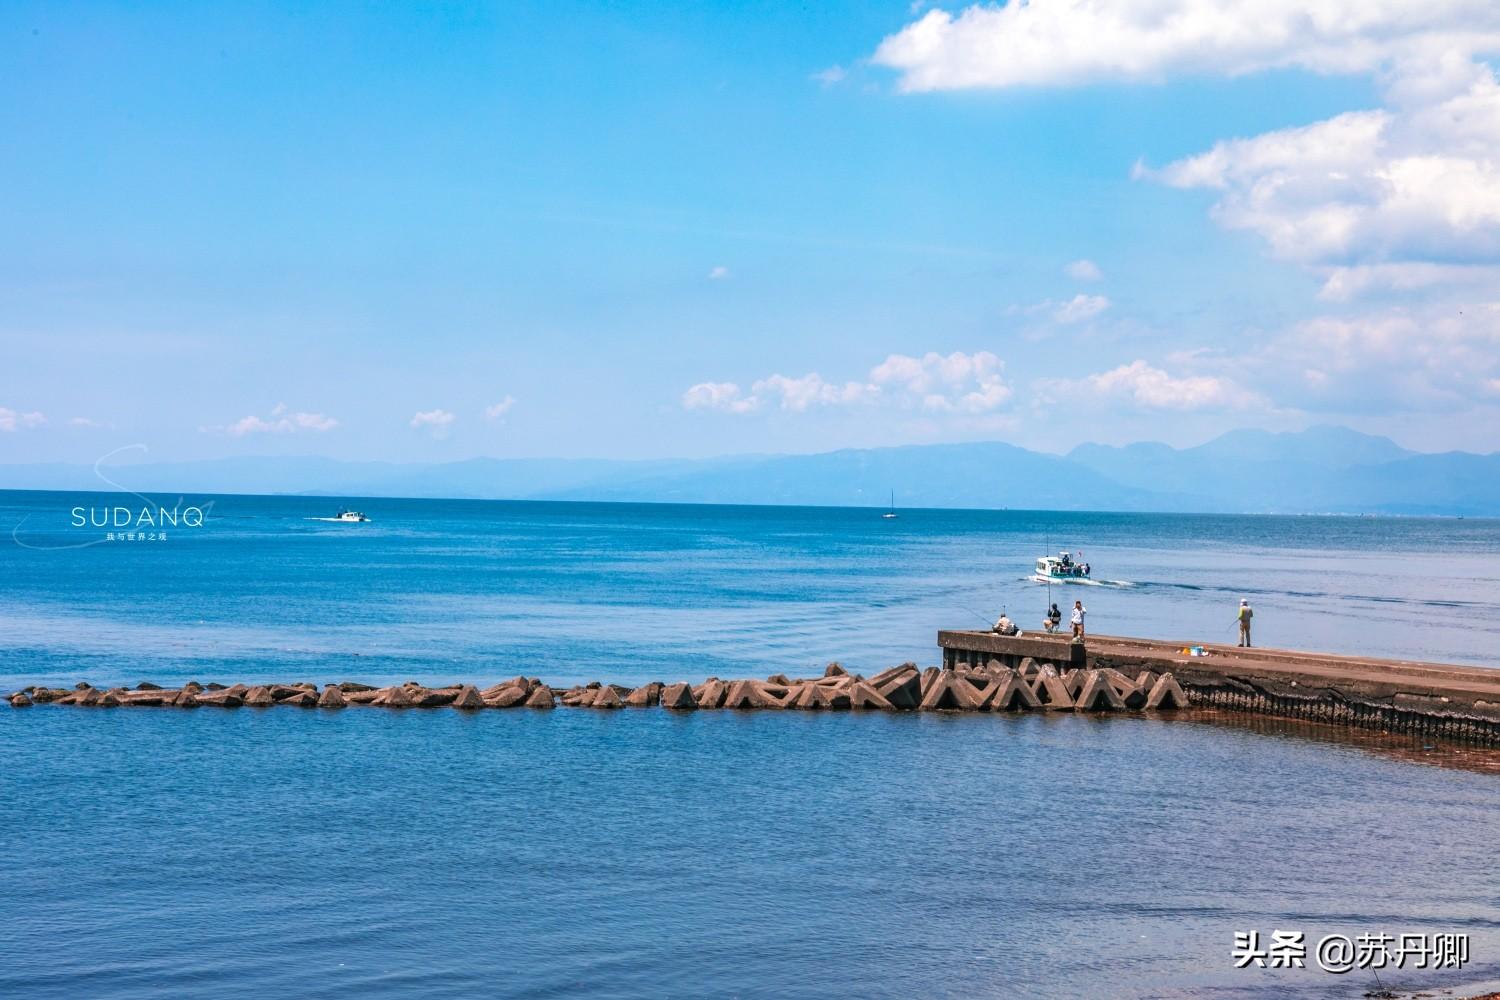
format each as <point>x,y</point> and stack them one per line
<point>372,853</point>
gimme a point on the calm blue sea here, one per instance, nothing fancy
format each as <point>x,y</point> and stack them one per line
<point>371,853</point>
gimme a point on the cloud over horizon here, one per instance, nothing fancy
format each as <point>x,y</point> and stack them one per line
<point>1413,359</point>
<point>281,420</point>
<point>1144,386</point>
<point>436,421</point>
<point>13,420</point>
<point>953,383</point>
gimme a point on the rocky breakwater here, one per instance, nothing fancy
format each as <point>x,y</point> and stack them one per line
<point>907,688</point>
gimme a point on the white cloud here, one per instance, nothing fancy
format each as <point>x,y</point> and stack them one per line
<point>725,396</point>
<point>85,422</point>
<point>718,273</point>
<point>1432,357</point>
<point>500,409</point>
<point>13,420</point>
<point>1068,42</point>
<point>953,383</point>
<point>830,76</point>
<point>1146,387</point>
<point>1083,270</point>
<point>787,393</point>
<point>314,422</point>
<point>279,421</point>
<point>1435,357</point>
<point>957,382</point>
<point>252,425</point>
<point>436,421</point>
<point>1401,200</point>
<point>1079,308</point>
<point>1342,284</point>
<point>283,425</point>
<point>1415,181</point>
<point>797,394</point>
<point>1402,184</point>
<point>1397,198</point>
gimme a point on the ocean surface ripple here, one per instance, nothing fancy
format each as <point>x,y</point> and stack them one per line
<point>436,854</point>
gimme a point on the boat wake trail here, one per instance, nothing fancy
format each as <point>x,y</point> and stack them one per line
<point>1080,582</point>
<point>1343,598</point>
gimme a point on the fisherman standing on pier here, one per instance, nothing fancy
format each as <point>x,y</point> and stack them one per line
<point>1244,621</point>
<point>1078,612</point>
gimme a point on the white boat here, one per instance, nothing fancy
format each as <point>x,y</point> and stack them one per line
<point>1061,568</point>
<point>349,515</point>
<point>888,515</point>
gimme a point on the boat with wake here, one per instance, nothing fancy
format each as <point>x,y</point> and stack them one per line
<point>344,516</point>
<point>1064,567</point>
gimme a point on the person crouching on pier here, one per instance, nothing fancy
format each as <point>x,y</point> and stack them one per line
<point>1053,619</point>
<point>1244,621</point>
<point>1078,612</point>
<point>1005,626</point>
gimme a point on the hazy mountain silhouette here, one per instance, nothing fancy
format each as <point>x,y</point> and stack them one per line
<point>1322,469</point>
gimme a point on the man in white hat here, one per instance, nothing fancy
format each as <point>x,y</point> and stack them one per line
<point>1244,619</point>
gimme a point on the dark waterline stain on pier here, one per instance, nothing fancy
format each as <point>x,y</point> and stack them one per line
<point>1393,746</point>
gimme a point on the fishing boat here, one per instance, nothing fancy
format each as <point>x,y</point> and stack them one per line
<point>345,514</point>
<point>1065,567</point>
<point>891,513</point>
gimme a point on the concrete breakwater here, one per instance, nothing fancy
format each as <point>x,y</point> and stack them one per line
<point>1396,696</point>
<point>988,687</point>
<point>981,672</point>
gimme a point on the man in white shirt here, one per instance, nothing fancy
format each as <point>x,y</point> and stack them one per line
<point>1078,612</point>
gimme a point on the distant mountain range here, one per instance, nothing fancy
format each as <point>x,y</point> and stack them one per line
<point>1320,470</point>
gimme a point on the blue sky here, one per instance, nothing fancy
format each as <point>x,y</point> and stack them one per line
<point>420,232</point>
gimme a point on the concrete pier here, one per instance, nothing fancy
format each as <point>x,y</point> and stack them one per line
<point>1399,696</point>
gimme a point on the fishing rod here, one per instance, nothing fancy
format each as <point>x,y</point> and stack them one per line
<point>976,614</point>
<point>1045,551</point>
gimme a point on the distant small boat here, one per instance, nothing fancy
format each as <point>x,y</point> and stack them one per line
<point>892,512</point>
<point>348,515</point>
